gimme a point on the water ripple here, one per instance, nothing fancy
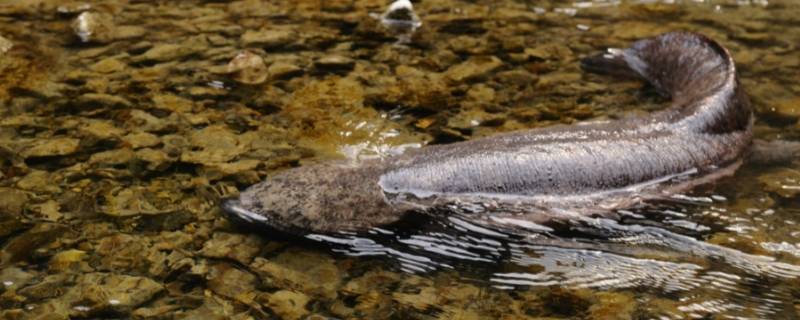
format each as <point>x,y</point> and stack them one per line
<point>595,253</point>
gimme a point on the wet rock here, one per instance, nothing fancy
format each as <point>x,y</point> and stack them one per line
<point>144,121</point>
<point>108,65</point>
<point>74,260</point>
<point>101,293</point>
<point>550,51</point>
<point>283,70</point>
<point>161,311</point>
<point>130,254</point>
<point>212,144</point>
<point>140,139</point>
<point>467,45</point>
<point>154,159</point>
<point>470,118</point>
<point>124,202</point>
<point>51,286</point>
<point>481,93</point>
<point>214,308</point>
<point>174,144</point>
<point>98,100</point>
<point>243,169</point>
<point>10,211</point>
<point>233,283</point>
<point>172,103</point>
<point>12,201</point>
<point>473,69</point>
<point>371,280</point>
<point>39,181</point>
<point>247,67</point>
<point>334,63</point>
<point>783,182</point>
<point>13,278</point>
<point>129,32</point>
<point>611,305</point>
<point>94,27</point>
<point>100,130</point>
<point>518,78</point>
<point>239,247</point>
<point>5,45</point>
<point>47,211</point>
<point>51,147</point>
<point>453,312</point>
<point>418,89</point>
<point>786,109</point>
<point>111,157</point>
<point>421,299</point>
<point>22,246</point>
<point>268,38</point>
<point>288,304</point>
<point>174,51</point>
<point>73,8</point>
<point>330,114</point>
<point>303,271</point>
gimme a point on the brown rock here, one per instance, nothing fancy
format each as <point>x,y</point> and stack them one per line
<point>247,67</point>
<point>473,69</point>
<point>302,271</point>
<point>239,247</point>
<point>140,139</point>
<point>51,147</point>
<point>274,37</point>
<point>288,304</point>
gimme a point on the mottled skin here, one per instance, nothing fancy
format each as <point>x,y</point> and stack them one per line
<point>542,174</point>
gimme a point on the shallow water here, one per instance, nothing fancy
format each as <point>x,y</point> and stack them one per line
<point>115,154</point>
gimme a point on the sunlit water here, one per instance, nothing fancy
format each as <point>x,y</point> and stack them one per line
<point>731,250</point>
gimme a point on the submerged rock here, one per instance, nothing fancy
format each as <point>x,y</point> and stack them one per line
<point>308,272</point>
<point>238,247</point>
<point>282,70</point>
<point>94,27</point>
<point>10,223</point>
<point>213,144</point>
<point>12,202</point>
<point>268,38</point>
<point>783,182</point>
<point>22,246</point>
<point>288,305</point>
<point>14,278</point>
<point>69,260</point>
<point>335,64</point>
<point>231,282</point>
<point>100,293</point>
<point>5,45</point>
<point>474,68</point>
<point>139,139</point>
<point>51,147</point>
<point>247,67</point>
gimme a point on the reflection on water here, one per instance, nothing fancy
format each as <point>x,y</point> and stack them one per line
<point>639,253</point>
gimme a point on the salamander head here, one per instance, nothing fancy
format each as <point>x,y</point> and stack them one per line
<point>324,198</point>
